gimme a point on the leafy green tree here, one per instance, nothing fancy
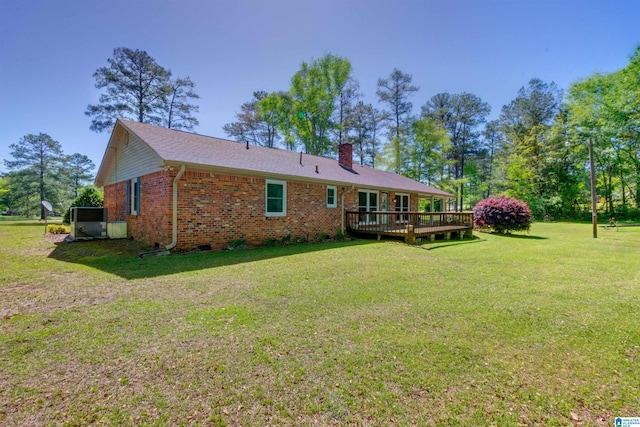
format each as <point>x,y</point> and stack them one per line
<point>535,105</point>
<point>364,123</point>
<point>394,92</point>
<point>428,152</point>
<point>305,113</point>
<point>622,104</point>
<point>531,145</point>
<point>77,170</point>
<point>253,125</point>
<point>22,197</point>
<point>592,115</point>
<point>4,194</point>
<point>137,88</point>
<point>278,106</point>
<point>462,115</point>
<point>492,145</point>
<point>38,158</point>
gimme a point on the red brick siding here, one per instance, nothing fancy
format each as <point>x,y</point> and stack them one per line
<point>153,224</point>
<point>114,201</point>
<point>214,209</point>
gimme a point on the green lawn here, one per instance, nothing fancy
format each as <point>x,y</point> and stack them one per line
<point>534,329</point>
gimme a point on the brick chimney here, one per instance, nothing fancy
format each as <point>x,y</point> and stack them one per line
<point>345,155</point>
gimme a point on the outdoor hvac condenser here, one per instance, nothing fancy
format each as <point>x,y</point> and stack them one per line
<point>88,223</point>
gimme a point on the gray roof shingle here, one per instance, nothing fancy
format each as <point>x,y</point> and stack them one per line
<point>192,149</point>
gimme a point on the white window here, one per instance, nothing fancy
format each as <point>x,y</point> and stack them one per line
<point>332,195</point>
<point>368,202</point>
<point>275,198</point>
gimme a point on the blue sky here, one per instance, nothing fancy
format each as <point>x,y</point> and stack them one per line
<point>49,51</point>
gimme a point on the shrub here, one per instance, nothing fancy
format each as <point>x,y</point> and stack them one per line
<point>270,243</point>
<point>320,237</point>
<point>502,214</point>
<point>237,245</point>
<point>286,239</point>
<point>57,229</point>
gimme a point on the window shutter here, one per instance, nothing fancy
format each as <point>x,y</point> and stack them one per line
<point>128,199</point>
<point>138,195</point>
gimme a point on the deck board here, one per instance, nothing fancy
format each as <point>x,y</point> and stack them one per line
<point>401,230</point>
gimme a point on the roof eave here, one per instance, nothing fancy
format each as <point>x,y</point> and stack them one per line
<point>299,178</point>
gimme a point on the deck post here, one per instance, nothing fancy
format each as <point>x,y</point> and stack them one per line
<point>447,235</point>
<point>411,235</point>
<point>431,210</point>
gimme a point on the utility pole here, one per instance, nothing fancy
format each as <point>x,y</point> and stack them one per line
<point>594,208</point>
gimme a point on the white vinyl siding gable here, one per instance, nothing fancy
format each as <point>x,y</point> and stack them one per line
<point>130,157</point>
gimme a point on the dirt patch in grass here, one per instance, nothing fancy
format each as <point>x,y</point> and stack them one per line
<point>36,286</point>
<point>71,251</point>
<point>55,238</point>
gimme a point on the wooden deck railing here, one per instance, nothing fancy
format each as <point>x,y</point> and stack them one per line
<point>397,223</point>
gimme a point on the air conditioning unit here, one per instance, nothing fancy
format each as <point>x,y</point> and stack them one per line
<point>88,223</point>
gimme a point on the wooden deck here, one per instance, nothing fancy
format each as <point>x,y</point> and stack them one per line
<point>410,225</point>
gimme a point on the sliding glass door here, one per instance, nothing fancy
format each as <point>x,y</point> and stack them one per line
<point>367,202</point>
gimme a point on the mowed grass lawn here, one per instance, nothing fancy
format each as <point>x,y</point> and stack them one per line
<point>534,329</point>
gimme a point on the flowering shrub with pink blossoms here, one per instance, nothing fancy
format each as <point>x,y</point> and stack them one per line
<point>502,214</point>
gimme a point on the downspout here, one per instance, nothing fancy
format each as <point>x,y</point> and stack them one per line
<point>342,230</point>
<point>174,221</point>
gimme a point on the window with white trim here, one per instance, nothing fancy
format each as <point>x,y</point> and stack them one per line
<point>275,198</point>
<point>368,202</point>
<point>332,196</point>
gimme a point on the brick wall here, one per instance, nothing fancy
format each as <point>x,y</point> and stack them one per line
<point>153,224</point>
<point>214,209</point>
<point>114,201</point>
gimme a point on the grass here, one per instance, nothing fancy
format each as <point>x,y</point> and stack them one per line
<point>532,329</point>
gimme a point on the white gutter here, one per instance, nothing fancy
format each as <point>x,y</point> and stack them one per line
<point>174,221</point>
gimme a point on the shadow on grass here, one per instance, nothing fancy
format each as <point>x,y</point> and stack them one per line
<point>119,257</point>
<point>517,236</point>
<point>429,246</point>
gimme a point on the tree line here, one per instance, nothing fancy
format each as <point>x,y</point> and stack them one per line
<point>39,171</point>
<point>535,150</point>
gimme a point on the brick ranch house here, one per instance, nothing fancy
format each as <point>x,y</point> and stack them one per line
<point>181,190</point>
